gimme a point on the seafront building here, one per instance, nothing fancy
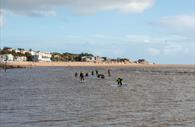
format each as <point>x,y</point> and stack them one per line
<point>88,59</point>
<point>6,57</point>
<point>41,57</point>
<point>98,59</point>
<point>20,58</point>
<point>10,57</point>
<point>95,59</point>
<point>2,58</point>
<point>21,55</point>
<point>37,56</point>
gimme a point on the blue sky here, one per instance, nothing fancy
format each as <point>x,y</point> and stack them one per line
<point>160,31</point>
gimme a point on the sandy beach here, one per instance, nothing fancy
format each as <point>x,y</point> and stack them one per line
<point>87,64</point>
<point>73,64</point>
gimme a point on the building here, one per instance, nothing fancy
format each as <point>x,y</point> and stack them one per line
<point>2,58</point>
<point>7,57</point>
<point>98,59</point>
<point>20,58</point>
<point>42,57</point>
<point>32,53</point>
<point>17,51</point>
<point>88,59</point>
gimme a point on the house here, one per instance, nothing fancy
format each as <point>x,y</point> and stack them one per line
<point>98,59</point>
<point>23,51</point>
<point>2,58</point>
<point>20,58</point>
<point>42,56</point>
<point>17,51</point>
<point>87,58</point>
<point>95,59</point>
<point>32,53</point>
<point>8,57</point>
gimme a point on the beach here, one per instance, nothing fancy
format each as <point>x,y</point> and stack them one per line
<point>87,64</point>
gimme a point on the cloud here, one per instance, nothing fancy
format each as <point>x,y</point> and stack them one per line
<point>153,51</point>
<point>178,22</point>
<point>39,13</point>
<point>174,49</point>
<point>1,19</point>
<point>41,7</point>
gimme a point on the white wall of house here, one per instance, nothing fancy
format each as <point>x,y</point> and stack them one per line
<point>20,58</point>
<point>2,58</point>
<point>9,57</point>
<point>99,59</point>
<point>41,56</point>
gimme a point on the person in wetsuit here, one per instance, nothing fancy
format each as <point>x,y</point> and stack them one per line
<point>109,73</point>
<point>96,71</point>
<point>92,73</point>
<point>75,74</point>
<point>119,82</point>
<point>82,76</point>
<point>86,74</point>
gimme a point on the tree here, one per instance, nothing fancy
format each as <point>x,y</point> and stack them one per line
<point>29,56</point>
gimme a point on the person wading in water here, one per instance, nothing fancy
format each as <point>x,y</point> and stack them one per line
<point>119,81</point>
<point>76,74</point>
<point>82,76</point>
<point>109,73</point>
<point>96,72</point>
<point>92,73</point>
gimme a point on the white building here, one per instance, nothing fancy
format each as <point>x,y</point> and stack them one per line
<point>32,53</point>
<point>42,56</point>
<point>95,59</point>
<point>98,59</point>
<point>20,58</point>
<point>17,51</point>
<point>88,59</point>
<point>2,58</point>
<point>7,57</point>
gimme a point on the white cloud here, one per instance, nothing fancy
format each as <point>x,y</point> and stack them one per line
<point>38,13</point>
<point>38,7</point>
<point>179,21</point>
<point>174,49</point>
<point>153,51</point>
<point>1,19</point>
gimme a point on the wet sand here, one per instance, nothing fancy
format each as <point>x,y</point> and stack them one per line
<point>52,97</point>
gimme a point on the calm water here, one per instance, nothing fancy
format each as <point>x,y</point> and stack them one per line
<point>52,97</point>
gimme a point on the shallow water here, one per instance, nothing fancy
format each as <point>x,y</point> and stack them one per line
<point>52,97</point>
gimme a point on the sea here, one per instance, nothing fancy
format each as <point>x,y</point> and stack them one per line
<point>54,97</point>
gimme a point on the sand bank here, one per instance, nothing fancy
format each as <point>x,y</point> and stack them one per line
<point>73,64</point>
<point>83,64</point>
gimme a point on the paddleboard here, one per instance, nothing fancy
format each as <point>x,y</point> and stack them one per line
<point>82,81</point>
<point>116,85</point>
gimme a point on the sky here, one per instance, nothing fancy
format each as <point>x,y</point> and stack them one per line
<point>161,31</point>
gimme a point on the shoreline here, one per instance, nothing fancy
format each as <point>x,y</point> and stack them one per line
<point>84,64</point>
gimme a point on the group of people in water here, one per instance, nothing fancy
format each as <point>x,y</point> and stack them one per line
<point>96,73</point>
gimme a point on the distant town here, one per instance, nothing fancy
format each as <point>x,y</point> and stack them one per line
<point>8,54</point>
